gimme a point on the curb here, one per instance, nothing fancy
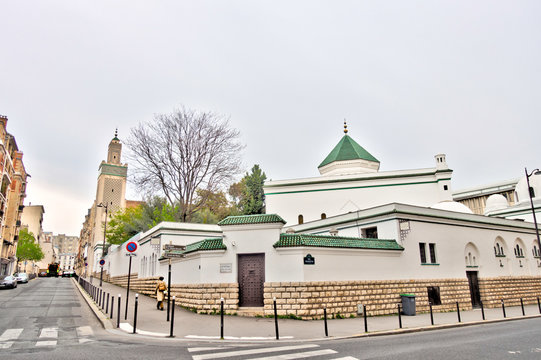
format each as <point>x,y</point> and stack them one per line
<point>102,318</point>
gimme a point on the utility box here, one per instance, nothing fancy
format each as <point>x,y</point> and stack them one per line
<point>360,309</point>
<point>408,304</point>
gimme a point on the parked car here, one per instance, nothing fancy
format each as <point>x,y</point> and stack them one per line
<point>68,273</point>
<point>8,281</point>
<point>42,274</point>
<point>21,277</point>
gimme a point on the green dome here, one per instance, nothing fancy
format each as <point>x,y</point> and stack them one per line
<point>347,149</point>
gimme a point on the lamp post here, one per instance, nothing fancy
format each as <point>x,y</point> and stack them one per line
<point>106,206</point>
<point>530,190</point>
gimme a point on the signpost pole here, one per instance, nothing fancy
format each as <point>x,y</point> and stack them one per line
<point>128,291</point>
<point>169,290</point>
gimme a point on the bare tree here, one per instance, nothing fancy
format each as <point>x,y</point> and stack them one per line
<point>178,153</point>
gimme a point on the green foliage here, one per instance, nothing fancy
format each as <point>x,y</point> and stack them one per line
<point>126,223</point>
<point>248,196</point>
<point>27,248</point>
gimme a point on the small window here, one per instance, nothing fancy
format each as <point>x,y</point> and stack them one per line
<point>323,216</point>
<point>370,233</point>
<point>445,187</point>
<point>432,248</point>
<point>434,295</point>
<point>301,219</point>
<point>422,251</point>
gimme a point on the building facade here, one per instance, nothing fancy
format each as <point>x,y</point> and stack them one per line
<point>12,193</point>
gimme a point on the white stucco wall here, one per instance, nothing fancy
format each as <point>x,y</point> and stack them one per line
<point>340,194</point>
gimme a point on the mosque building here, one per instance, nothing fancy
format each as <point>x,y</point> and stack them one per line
<point>349,237</point>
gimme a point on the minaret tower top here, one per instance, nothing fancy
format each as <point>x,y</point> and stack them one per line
<point>115,150</point>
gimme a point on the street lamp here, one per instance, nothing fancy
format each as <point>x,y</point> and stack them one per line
<point>530,192</point>
<point>106,206</point>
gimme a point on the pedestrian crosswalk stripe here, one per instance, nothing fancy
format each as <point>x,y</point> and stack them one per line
<point>6,344</point>
<point>252,351</point>
<point>301,355</point>
<point>203,349</point>
<point>11,334</point>
<point>347,358</point>
<point>46,343</point>
<point>49,333</point>
<point>84,331</point>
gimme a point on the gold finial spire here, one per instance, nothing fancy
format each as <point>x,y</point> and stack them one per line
<point>116,132</point>
<point>345,127</point>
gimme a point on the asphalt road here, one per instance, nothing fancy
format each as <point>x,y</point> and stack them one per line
<point>48,319</point>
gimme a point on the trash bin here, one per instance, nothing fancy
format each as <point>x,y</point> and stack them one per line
<point>408,304</point>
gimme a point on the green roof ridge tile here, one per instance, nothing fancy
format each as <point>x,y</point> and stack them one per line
<point>347,149</point>
<point>295,240</point>
<point>252,219</point>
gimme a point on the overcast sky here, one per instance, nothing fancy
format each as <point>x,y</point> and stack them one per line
<point>412,78</point>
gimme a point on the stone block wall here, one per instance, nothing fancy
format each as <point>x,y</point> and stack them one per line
<point>510,289</point>
<point>307,299</point>
<point>206,297</point>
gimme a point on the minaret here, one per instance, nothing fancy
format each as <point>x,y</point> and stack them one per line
<point>110,192</point>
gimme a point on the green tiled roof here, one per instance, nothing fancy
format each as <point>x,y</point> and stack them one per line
<point>347,149</point>
<point>295,240</point>
<point>252,219</point>
<point>203,245</point>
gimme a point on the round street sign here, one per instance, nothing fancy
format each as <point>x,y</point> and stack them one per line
<point>102,262</point>
<point>131,246</point>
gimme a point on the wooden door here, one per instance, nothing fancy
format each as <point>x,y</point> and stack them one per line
<point>474,288</point>
<point>251,278</point>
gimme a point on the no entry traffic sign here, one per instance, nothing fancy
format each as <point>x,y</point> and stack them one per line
<point>102,262</point>
<point>131,246</point>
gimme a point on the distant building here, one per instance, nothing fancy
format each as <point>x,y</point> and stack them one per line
<point>32,219</point>
<point>12,193</point>
<point>476,198</point>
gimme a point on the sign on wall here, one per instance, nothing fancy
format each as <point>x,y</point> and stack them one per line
<point>309,260</point>
<point>226,267</point>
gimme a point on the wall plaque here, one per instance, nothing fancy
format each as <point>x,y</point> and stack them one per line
<point>226,267</point>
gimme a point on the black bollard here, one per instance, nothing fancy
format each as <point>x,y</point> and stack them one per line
<point>503,309</point>
<point>431,314</point>
<point>107,307</point>
<point>522,306</point>
<point>222,318</point>
<point>399,317</point>
<point>99,298</point>
<point>325,321</point>
<point>135,313</point>
<point>118,315</point>
<point>365,320</point>
<point>172,318</point>
<point>458,312</point>
<point>276,319</point>
<point>482,310</point>
<point>539,304</point>
<point>112,305</point>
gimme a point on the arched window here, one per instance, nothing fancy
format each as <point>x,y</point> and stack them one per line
<point>323,215</point>
<point>301,219</point>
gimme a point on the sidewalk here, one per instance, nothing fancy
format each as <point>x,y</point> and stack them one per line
<point>189,325</point>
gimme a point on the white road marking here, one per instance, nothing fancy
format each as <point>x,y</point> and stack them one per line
<point>46,343</point>
<point>82,341</point>
<point>49,333</point>
<point>347,358</point>
<point>83,331</point>
<point>252,351</point>
<point>128,328</point>
<point>300,355</point>
<point>11,334</point>
<point>203,349</point>
<point>6,344</point>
